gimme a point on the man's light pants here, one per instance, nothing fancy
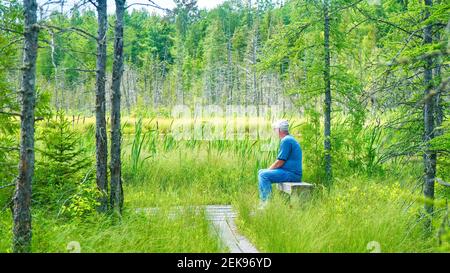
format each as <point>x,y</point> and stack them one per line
<point>266,177</point>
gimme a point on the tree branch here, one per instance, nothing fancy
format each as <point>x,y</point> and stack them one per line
<point>75,29</point>
<point>363,12</point>
<point>11,30</point>
<point>18,115</point>
<point>442,182</point>
<point>10,148</point>
<point>6,186</point>
<point>10,114</point>
<point>151,4</point>
<point>93,3</point>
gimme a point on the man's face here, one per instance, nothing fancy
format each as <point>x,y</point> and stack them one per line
<point>277,132</point>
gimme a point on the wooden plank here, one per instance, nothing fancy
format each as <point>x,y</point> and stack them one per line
<point>222,219</point>
<point>244,244</point>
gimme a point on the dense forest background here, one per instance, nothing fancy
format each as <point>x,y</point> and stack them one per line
<point>381,68</point>
<point>260,52</point>
<point>365,84</point>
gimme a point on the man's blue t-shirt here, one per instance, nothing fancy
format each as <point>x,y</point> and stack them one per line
<point>291,153</point>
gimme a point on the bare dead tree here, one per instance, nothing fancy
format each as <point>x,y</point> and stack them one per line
<point>100,107</point>
<point>327,102</point>
<point>22,196</point>
<point>429,156</point>
<point>116,197</point>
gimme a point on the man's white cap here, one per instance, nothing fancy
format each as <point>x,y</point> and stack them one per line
<point>283,125</point>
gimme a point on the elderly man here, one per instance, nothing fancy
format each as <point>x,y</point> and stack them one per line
<point>287,167</point>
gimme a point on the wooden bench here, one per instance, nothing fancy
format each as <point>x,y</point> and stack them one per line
<point>296,188</point>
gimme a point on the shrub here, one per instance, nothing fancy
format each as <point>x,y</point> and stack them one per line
<point>62,176</point>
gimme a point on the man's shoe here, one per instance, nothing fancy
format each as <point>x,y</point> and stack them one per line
<point>262,205</point>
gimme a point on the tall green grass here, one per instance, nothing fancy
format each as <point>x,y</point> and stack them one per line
<point>357,211</point>
<point>136,232</point>
<point>354,215</point>
<point>366,204</point>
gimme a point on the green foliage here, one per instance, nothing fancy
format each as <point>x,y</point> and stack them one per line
<point>347,219</point>
<point>62,155</point>
<point>63,179</point>
<point>10,17</point>
<point>136,148</point>
<point>84,202</point>
<point>195,172</point>
<point>11,21</point>
<point>135,233</point>
<point>442,145</point>
<point>442,141</point>
<point>377,60</point>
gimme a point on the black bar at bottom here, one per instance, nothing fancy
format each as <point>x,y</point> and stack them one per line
<point>217,262</point>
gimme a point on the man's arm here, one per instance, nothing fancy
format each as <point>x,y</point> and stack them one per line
<point>277,164</point>
<point>283,155</point>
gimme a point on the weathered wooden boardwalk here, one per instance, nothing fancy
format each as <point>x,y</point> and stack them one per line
<point>222,219</point>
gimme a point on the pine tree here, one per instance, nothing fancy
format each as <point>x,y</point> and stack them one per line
<point>65,161</point>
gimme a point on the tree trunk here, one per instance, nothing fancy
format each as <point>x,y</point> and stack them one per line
<point>116,200</point>
<point>438,103</point>
<point>429,156</point>
<point>126,90</point>
<point>229,71</point>
<point>254,83</point>
<point>100,107</point>
<point>326,78</point>
<point>179,83</point>
<point>55,67</point>
<point>22,195</point>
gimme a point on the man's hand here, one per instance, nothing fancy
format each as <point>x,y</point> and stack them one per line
<point>277,164</point>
